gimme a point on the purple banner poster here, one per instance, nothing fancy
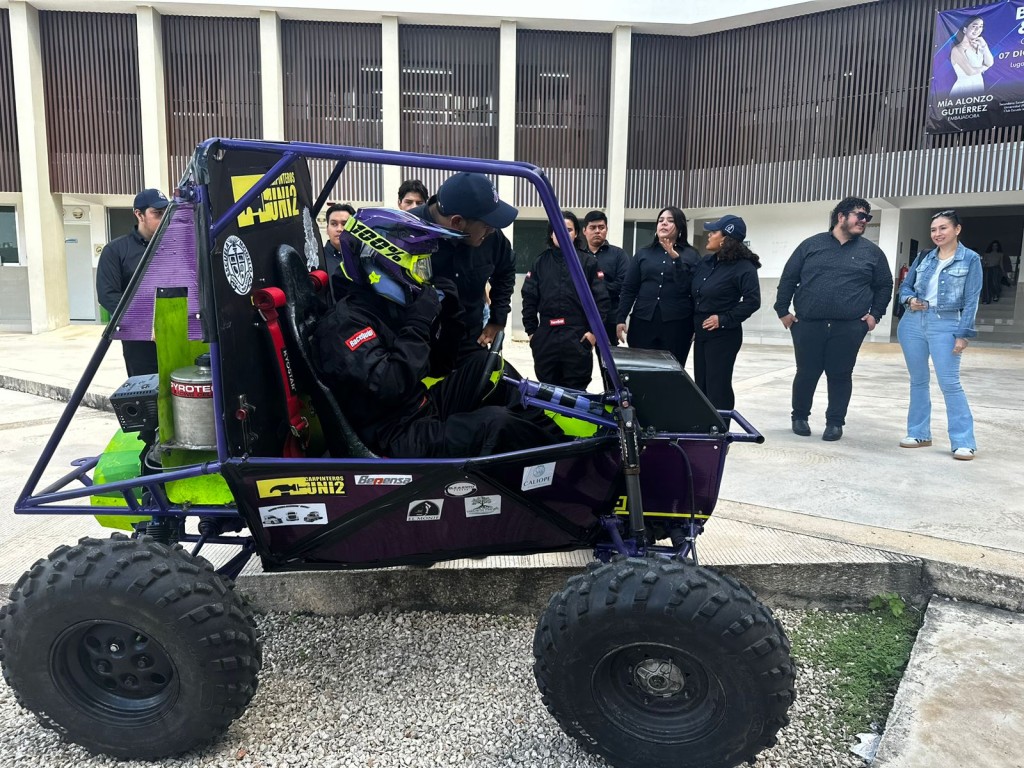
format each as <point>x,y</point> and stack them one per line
<point>977,69</point>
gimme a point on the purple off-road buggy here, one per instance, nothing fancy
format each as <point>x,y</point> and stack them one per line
<point>134,647</point>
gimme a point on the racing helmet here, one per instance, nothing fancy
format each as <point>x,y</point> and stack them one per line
<point>389,250</point>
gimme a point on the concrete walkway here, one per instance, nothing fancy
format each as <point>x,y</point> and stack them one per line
<point>801,520</point>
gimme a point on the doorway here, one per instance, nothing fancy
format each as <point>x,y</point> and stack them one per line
<point>81,284</point>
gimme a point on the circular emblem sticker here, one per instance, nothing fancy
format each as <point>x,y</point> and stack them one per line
<point>237,265</point>
<point>460,489</point>
<point>312,252</point>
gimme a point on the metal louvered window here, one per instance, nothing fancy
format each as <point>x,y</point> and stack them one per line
<point>212,81</point>
<point>10,172</point>
<point>562,113</point>
<point>449,93</point>
<point>333,95</point>
<point>91,91</point>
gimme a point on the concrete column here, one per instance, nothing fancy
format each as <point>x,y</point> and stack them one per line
<point>40,208</point>
<point>272,79</point>
<point>618,132</point>
<point>507,109</point>
<point>391,77</point>
<point>889,242</point>
<point>152,100</point>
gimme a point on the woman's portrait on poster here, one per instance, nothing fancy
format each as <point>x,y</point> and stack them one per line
<point>970,58</point>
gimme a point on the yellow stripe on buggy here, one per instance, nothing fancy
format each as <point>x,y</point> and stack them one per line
<point>622,508</point>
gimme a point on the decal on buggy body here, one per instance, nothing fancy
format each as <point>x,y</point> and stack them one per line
<point>237,265</point>
<point>279,201</point>
<point>301,486</point>
<point>383,479</point>
<point>310,248</point>
<point>460,489</point>
<point>538,476</point>
<point>293,514</point>
<point>482,506</point>
<point>622,508</point>
<point>425,509</point>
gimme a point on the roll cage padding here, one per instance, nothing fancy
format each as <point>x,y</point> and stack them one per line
<point>298,318</point>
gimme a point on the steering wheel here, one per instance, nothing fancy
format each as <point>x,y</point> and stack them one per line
<point>492,364</point>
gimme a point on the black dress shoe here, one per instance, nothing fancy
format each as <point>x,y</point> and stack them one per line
<point>801,427</point>
<point>832,433</point>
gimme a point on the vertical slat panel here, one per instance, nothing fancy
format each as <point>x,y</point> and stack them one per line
<point>817,107</point>
<point>91,97</point>
<point>333,95</point>
<point>10,172</point>
<point>449,93</point>
<point>562,112</point>
<point>212,81</point>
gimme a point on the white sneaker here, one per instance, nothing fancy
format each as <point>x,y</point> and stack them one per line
<point>914,442</point>
<point>964,454</point>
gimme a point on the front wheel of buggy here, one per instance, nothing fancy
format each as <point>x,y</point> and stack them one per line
<point>660,664</point>
<point>129,647</point>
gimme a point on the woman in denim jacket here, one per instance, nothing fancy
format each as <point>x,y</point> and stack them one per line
<point>941,293</point>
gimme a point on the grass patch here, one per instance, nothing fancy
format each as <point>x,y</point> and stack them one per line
<point>868,653</point>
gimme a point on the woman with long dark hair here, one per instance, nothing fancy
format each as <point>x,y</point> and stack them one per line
<point>725,293</point>
<point>941,295</point>
<point>656,293</point>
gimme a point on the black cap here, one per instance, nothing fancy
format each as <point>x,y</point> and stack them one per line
<point>730,225</point>
<point>150,198</point>
<point>473,196</point>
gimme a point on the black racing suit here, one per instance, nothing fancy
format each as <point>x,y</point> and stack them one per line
<point>374,354</point>
<point>560,353</point>
<point>118,262</point>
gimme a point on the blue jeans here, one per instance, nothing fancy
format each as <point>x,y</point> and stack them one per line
<point>930,334</point>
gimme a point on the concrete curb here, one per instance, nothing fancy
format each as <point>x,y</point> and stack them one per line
<point>54,392</point>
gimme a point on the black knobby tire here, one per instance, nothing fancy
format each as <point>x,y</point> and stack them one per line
<point>129,647</point>
<point>653,663</point>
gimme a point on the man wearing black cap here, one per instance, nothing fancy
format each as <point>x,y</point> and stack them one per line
<point>118,262</point>
<point>468,202</point>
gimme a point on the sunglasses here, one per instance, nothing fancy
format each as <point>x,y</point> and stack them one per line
<point>861,216</point>
<point>948,213</point>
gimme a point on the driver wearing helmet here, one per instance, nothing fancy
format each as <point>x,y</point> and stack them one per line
<point>394,326</point>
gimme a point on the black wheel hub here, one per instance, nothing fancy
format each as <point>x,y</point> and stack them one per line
<point>114,672</point>
<point>659,693</point>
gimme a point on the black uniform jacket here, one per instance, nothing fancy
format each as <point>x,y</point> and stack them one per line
<point>548,291</point>
<point>656,279</point>
<point>471,268</point>
<point>118,262</point>
<point>374,354</point>
<point>613,263</point>
<point>729,289</point>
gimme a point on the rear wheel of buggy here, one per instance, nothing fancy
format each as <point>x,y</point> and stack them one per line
<point>129,647</point>
<point>662,664</point>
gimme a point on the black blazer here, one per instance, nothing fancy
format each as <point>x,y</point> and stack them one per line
<point>655,279</point>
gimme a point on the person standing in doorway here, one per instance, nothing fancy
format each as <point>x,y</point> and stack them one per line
<point>992,282</point>
<point>612,262</point>
<point>118,262</point>
<point>725,293</point>
<point>839,285</point>
<point>941,295</point>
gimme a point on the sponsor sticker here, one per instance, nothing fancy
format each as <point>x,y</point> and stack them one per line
<point>425,509</point>
<point>301,486</point>
<point>293,514</point>
<point>182,389</point>
<point>278,201</point>
<point>356,340</point>
<point>538,476</point>
<point>237,265</point>
<point>482,506</point>
<point>460,489</point>
<point>383,479</point>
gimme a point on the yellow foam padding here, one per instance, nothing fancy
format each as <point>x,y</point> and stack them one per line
<point>119,461</point>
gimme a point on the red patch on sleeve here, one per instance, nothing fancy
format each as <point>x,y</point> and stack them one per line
<point>356,340</point>
<point>600,275</point>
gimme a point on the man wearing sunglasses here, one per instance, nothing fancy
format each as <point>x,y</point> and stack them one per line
<point>839,284</point>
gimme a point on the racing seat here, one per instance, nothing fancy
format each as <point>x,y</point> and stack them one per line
<point>299,317</point>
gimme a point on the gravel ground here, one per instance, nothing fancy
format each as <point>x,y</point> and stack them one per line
<point>407,691</point>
